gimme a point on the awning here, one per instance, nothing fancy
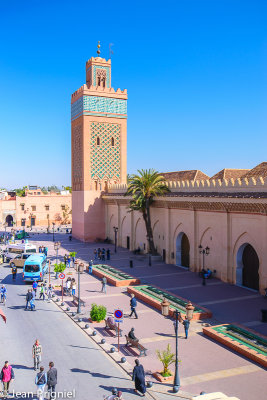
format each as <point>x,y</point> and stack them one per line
<point>2,315</point>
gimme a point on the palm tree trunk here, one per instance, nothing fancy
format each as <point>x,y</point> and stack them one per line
<point>147,219</point>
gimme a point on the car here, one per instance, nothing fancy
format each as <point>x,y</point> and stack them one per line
<point>19,260</point>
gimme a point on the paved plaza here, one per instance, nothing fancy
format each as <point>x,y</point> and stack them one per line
<point>205,364</point>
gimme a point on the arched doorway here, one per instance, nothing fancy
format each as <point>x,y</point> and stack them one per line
<point>247,271</point>
<point>9,220</point>
<point>182,250</point>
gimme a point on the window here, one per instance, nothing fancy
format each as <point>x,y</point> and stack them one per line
<point>63,207</point>
<point>98,141</point>
<point>39,193</point>
<point>22,207</point>
<point>33,208</point>
<point>106,186</point>
<point>98,81</point>
<point>32,268</point>
<point>95,185</point>
<point>47,216</point>
<point>104,82</point>
<point>47,208</point>
<point>112,141</point>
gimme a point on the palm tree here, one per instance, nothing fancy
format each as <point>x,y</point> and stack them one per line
<point>143,188</point>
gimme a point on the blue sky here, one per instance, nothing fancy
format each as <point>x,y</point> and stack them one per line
<point>194,70</point>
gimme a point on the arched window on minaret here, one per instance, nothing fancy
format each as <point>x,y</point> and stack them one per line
<point>98,141</point>
<point>104,82</point>
<point>112,142</point>
<point>99,81</point>
<point>95,185</point>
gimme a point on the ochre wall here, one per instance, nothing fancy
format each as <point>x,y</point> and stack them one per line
<point>222,232</point>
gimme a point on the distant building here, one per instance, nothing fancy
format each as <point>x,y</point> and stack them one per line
<point>35,208</point>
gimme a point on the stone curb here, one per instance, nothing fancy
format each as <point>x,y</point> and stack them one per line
<point>127,367</point>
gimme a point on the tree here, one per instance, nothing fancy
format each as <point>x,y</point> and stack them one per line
<point>20,192</point>
<point>167,358</point>
<point>144,188</point>
<point>68,188</point>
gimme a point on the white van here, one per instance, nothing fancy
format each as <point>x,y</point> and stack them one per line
<point>12,250</point>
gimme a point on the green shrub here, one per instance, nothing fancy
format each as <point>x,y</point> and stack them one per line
<point>73,254</point>
<point>98,313</point>
<point>60,267</point>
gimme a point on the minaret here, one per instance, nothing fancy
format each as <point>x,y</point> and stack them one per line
<point>98,138</point>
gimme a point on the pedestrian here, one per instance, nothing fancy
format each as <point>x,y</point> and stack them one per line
<point>65,260</point>
<point>99,253</point>
<point>42,292</point>
<point>7,376</point>
<point>28,298</point>
<point>108,254</point>
<point>32,302</point>
<point>68,286</point>
<point>35,286</point>
<point>46,251</point>
<point>186,324</point>
<point>90,268</point>
<point>41,381</point>
<point>69,260</point>
<point>52,380</point>
<point>36,354</point>
<point>14,272</point>
<point>133,305</point>
<point>70,238</point>
<point>104,285</point>
<point>103,253</point>
<point>73,287</point>
<point>139,378</point>
<point>95,254</point>
<point>49,292</point>
<point>132,336</point>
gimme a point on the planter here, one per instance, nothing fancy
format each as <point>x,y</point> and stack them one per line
<point>163,379</point>
<point>95,322</point>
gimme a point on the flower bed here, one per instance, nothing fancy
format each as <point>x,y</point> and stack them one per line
<point>243,340</point>
<point>114,275</point>
<point>154,296</point>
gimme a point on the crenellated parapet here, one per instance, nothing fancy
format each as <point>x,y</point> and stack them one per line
<point>208,186</point>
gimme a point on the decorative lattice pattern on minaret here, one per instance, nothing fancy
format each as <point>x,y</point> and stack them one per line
<point>105,157</point>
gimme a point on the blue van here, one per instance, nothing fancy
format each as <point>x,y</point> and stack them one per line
<point>35,267</point>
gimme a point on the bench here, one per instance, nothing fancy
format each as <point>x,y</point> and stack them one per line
<point>75,301</point>
<point>112,327</point>
<point>137,345</point>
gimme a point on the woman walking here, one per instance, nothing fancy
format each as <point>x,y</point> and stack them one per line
<point>41,381</point>
<point>139,378</point>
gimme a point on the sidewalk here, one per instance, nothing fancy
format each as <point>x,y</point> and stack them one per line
<point>205,365</point>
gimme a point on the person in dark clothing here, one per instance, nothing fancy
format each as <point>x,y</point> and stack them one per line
<point>132,336</point>
<point>52,380</point>
<point>139,378</point>
<point>133,304</point>
<point>186,324</point>
<point>29,297</point>
<point>108,254</point>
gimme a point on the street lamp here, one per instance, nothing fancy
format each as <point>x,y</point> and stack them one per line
<point>115,228</point>
<point>31,215</point>
<point>57,247</point>
<point>204,252</point>
<point>189,310</point>
<point>176,382</point>
<point>165,306</point>
<point>53,231</point>
<point>80,268</point>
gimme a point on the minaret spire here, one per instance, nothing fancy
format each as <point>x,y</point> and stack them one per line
<point>98,49</point>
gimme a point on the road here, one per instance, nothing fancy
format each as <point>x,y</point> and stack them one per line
<point>81,365</point>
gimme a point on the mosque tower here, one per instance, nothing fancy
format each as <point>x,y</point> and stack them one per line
<point>98,147</point>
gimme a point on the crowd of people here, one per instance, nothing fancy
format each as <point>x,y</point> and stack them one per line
<point>42,378</point>
<point>101,254</point>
